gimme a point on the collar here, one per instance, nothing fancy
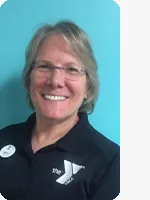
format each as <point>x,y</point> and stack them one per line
<point>77,140</point>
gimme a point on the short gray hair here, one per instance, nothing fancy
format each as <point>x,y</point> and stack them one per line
<point>81,47</point>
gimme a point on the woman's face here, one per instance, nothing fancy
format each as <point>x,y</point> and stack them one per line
<point>54,96</point>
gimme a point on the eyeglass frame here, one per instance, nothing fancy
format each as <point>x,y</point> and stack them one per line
<point>64,69</point>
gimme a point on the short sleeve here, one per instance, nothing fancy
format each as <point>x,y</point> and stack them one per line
<point>108,187</point>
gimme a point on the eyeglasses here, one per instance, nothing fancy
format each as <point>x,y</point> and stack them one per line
<point>72,73</point>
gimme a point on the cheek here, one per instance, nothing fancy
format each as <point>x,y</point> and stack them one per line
<point>80,91</point>
<point>35,86</point>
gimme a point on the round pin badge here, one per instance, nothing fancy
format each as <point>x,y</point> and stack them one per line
<point>7,151</point>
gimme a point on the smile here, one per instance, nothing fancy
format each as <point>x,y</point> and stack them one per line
<point>53,98</point>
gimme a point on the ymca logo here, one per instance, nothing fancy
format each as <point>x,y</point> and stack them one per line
<point>70,170</point>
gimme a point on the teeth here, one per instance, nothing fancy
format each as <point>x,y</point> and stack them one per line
<point>54,98</point>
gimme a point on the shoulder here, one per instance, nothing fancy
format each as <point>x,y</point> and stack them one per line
<point>101,144</point>
<point>93,140</point>
<point>8,132</point>
<point>15,129</point>
<point>11,128</point>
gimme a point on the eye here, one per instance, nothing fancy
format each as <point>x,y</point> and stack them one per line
<point>43,68</point>
<point>72,70</point>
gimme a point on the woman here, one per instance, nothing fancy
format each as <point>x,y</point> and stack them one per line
<point>56,153</point>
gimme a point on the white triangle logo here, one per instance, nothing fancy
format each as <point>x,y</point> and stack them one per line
<point>76,168</point>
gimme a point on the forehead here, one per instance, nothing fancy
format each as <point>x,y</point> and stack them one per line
<point>55,48</point>
<point>54,41</point>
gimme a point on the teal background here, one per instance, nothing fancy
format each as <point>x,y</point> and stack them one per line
<point>99,18</point>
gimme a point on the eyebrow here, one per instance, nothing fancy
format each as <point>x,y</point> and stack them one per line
<point>44,61</point>
<point>48,62</point>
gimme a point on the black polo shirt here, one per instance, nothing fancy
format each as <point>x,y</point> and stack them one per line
<point>83,165</point>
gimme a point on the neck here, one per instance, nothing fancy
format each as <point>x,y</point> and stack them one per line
<point>48,132</point>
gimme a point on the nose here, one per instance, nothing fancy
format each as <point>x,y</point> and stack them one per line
<point>56,78</point>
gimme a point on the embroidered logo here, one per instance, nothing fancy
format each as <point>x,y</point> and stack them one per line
<point>70,170</point>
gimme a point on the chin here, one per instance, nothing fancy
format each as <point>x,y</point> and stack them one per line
<point>53,114</point>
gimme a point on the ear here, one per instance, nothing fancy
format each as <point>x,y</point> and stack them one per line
<point>86,95</point>
<point>88,89</point>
